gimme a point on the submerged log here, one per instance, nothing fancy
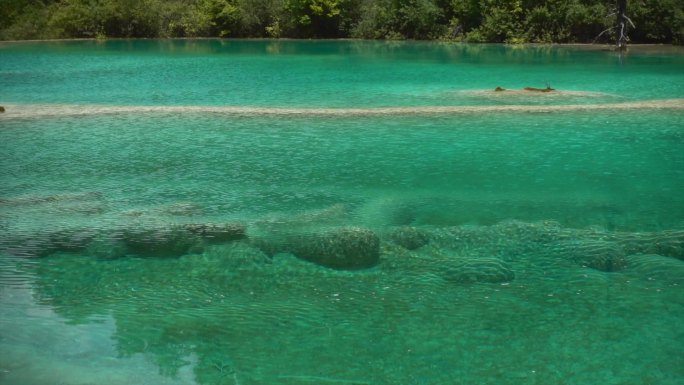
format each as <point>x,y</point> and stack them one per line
<point>533,89</point>
<point>530,89</point>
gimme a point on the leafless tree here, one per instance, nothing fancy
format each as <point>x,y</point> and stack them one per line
<point>622,23</point>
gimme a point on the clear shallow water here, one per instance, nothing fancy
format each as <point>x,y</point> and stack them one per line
<point>322,73</point>
<point>516,246</point>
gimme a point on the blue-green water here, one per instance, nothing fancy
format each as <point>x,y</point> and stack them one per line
<point>161,202</point>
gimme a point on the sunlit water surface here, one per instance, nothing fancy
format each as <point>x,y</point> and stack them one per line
<point>162,202</point>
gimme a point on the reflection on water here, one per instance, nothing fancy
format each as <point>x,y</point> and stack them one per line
<point>39,345</point>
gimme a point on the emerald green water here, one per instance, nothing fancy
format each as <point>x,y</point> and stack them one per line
<point>550,227</point>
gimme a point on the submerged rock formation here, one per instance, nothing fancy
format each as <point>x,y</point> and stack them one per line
<point>344,248</point>
<point>669,243</point>
<point>145,241</point>
<point>217,233</point>
<point>177,240</point>
<point>348,248</point>
<point>597,254</point>
<point>49,242</point>
<point>42,199</point>
<point>161,242</point>
<point>656,267</point>
<point>486,269</point>
<point>409,237</point>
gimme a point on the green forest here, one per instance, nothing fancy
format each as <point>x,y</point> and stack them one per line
<point>496,21</point>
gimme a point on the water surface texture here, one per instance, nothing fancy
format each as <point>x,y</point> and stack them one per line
<point>286,212</point>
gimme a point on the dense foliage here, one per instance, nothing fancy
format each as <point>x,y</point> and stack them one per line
<point>511,21</point>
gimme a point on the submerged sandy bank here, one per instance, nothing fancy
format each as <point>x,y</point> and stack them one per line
<point>57,110</point>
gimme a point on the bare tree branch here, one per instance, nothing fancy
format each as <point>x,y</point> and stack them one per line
<point>603,32</point>
<point>630,21</point>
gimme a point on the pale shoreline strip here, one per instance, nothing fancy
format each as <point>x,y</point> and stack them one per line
<point>60,110</point>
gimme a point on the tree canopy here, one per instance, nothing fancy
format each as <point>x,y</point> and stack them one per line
<point>501,21</point>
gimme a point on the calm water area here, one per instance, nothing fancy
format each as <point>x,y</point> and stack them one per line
<point>340,212</point>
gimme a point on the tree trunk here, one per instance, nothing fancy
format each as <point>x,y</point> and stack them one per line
<point>622,21</point>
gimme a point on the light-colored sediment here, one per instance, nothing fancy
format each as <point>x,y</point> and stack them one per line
<point>60,110</point>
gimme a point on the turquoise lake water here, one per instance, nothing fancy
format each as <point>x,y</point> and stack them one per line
<point>340,212</point>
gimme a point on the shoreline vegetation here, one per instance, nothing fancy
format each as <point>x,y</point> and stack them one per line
<point>470,21</point>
